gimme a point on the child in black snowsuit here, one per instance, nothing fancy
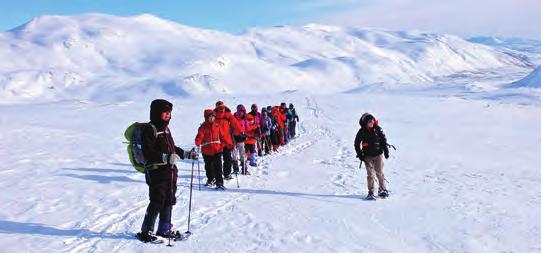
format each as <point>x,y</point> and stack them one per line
<point>374,148</point>
<point>161,155</point>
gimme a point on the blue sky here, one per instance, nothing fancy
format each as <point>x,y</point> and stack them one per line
<point>519,18</point>
<point>231,16</point>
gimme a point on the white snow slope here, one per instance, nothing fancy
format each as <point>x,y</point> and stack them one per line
<point>533,80</point>
<point>97,56</point>
<point>465,177</point>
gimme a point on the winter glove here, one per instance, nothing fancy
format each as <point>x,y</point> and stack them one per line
<point>191,154</point>
<point>170,159</point>
<point>386,153</point>
<point>361,157</point>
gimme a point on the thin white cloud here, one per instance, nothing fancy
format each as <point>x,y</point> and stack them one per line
<point>462,17</point>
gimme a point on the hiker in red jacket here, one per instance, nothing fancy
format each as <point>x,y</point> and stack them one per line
<point>229,126</point>
<point>212,141</point>
<point>277,128</point>
<point>285,126</point>
<point>251,141</point>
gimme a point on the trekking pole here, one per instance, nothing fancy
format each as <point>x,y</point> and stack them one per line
<point>198,170</point>
<point>190,204</point>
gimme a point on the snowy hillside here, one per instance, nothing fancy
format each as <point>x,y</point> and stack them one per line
<point>97,56</point>
<point>533,80</point>
<point>518,44</point>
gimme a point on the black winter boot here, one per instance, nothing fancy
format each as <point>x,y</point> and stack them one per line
<point>370,196</point>
<point>383,193</point>
<point>146,237</point>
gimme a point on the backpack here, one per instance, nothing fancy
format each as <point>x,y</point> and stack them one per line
<point>134,136</point>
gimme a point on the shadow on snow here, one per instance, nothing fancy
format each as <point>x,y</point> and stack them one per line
<point>12,227</point>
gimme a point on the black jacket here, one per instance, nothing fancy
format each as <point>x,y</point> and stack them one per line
<point>158,141</point>
<point>161,177</point>
<point>373,142</point>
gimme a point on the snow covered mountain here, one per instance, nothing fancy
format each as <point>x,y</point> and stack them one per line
<point>518,44</point>
<point>97,56</point>
<point>533,80</point>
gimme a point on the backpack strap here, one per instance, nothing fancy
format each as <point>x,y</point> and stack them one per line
<point>156,133</point>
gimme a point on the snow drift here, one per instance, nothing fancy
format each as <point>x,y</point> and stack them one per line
<point>59,57</point>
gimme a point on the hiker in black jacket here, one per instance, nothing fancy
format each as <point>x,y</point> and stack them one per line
<point>371,147</point>
<point>161,155</point>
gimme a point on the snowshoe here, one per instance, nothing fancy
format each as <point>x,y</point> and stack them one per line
<point>148,237</point>
<point>169,234</point>
<point>370,196</point>
<point>182,236</point>
<point>220,187</point>
<point>383,193</point>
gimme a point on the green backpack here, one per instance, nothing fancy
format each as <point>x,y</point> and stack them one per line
<point>134,137</point>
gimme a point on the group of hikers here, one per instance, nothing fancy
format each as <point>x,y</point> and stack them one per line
<point>236,138</point>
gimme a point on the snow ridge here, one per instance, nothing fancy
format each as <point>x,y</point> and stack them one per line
<point>97,56</point>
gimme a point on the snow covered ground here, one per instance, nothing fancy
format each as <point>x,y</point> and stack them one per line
<point>465,177</point>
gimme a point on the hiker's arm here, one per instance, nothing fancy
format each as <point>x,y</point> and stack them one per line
<point>357,145</point>
<point>383,141</point>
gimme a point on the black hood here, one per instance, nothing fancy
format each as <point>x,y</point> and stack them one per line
<point>365,118</point>
<point>156,108</point>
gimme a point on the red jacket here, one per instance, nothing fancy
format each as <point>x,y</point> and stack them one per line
<point>211,139</point>
<point>278,116</point>
<point>251,129</point>
<point>283,114</point>
<point>226,120</point>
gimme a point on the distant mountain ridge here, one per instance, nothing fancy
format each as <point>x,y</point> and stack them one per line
<point>96,56</point>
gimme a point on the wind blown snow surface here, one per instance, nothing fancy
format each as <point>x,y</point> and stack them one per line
<point>465,177</point>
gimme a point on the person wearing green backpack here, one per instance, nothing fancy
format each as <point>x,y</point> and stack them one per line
<point>161,155</point>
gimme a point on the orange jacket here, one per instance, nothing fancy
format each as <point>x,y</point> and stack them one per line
<point>227,121</point>
<point>210,138</point>
<point>251,129</point>
<point>283,115</point>
<point>278,116</point>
